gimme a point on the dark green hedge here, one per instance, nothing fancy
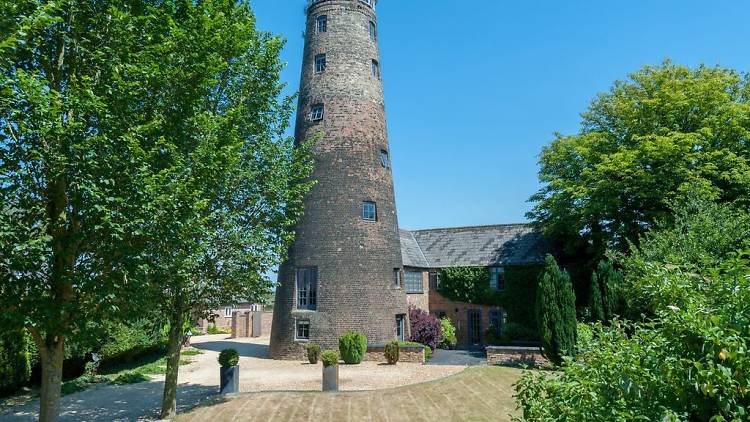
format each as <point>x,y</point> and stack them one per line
<point>472,285</point>
<point>15,365</point>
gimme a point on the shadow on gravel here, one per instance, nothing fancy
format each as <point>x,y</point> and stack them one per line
<point>248,350</point>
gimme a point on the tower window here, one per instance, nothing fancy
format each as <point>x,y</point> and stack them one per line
<point>307,288</point>
<point>321,24</point>
<point>369,211</point>
<point>373,31</point>
<point>320,63</point>
<point>397,277</point>
<point>376,69</point>
<point>414,282</point>
<point>316,113</point>
<point>400,326</point>
<point>384,159</point>
<point>497,279</point>
<point>302,329</point>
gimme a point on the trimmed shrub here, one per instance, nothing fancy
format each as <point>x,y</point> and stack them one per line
<point>511,332</point>
<point>15,368</point>
<point>229,358</point>
<point>596,307</point>
<point>392,352</point>
<point>449,334</point>
<point>353,346</point>
<point>427,353</point>
<point>330,358</point>
<point>313,353</point>
<point>425,328</point>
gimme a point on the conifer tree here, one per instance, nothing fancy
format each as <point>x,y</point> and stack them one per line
<point>556,313</point>
<point>596,307</point>
<point>610,284</point>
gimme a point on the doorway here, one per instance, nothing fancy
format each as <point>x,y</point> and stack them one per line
<point>475,329</point>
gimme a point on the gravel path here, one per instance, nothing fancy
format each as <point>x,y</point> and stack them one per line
<point>200,380</point>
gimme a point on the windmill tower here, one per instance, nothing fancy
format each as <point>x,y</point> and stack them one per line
<point>344,269</point>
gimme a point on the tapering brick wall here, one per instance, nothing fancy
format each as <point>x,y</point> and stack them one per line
<point>355,258</point>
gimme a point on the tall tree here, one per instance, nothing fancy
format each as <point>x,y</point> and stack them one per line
<point>556,312</point>
<point>642,145</point>
<point>229,185</point>
<point>610,285</point>
<point>596,307</point>
<point>73,171</point>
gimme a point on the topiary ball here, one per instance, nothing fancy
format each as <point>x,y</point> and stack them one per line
<point>330,358</point>
<point>353,346</point>
<point>313,353</point>
<point>229,358</point>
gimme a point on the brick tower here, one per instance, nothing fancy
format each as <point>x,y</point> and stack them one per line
<point>344,269</point>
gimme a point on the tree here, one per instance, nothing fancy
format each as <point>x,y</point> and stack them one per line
<point>556,312</point>
<point>596,307</point>
<point>642,145</point>
<point>229,185</point>
<point>73,171</point>
<point>610,285</point>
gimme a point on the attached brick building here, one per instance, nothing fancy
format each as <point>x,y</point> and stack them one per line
<point>345,270</point>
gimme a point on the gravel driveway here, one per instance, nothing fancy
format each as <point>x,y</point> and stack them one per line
<point>200,380</point>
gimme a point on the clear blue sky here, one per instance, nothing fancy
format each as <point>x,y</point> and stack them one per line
<point>474,89</point>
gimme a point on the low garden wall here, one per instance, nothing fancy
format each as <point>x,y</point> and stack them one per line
<point>515,355</point>
<point>412,354</point>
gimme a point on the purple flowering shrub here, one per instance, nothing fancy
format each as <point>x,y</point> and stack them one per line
<point>425,328</point>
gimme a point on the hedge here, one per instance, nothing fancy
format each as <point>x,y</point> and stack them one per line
<point>15,365</point>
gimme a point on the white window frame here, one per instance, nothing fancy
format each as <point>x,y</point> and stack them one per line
<point>317,112</point>
<point>407,285</point>
<point>228,311</point>
<point>297,323</point>
<point>495,274</point>
<point>321,62</point>
<point>318,20</point>
<point>366,214</point>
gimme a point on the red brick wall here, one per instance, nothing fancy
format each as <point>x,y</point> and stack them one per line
<point>458,313</point>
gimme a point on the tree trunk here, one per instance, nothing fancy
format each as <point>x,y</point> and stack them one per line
<point>169,400</point>
<point>52,357</point>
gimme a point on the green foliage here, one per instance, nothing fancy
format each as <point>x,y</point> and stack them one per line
<point>213,329</point>
<point>229,358</point>
<point>472,285</point>
<point>511,332</point>
<point>15,365</point>
<point>596,307</point>
<point>330,357</point>
<point>556,312</point>
<point>81,383</point>
<point>611,285</point>
<point>643,145</point>
<point>449,333</point>
<point>130,378</point>
<point>427,353</point>
<point>353,346</point>
<point>313,353</point>
<point>392,352</point>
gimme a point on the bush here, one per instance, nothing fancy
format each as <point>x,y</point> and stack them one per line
<point>425,328</point>
<point>213,329</point>
<point>427,353</point>
<point>556,312</point>
<point>229,358</point>
<point>427,349</point>
<point>15,367</point>
<point>491,337</point>
<point>449,334</point>
<point>392,352</point>
<point>330,358</point>
<point>313,353</point>
<point>353,346</point>
<point>511,332</point>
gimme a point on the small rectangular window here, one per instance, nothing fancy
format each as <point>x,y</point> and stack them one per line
<point>496,323</point>
<point>303,329</point>
<point>397,277</point>
<point>307,288</point>
<point>228,312</point>
<point>320,63</point>
<point>497,279</point>
<point>369,211</point>
<point>321,24</point>
<point>384,159</point>
<point>317,113</point>
<point>373,31</point>
<point>434,280</point>
<point>375,69</point>
<point>413,281</point>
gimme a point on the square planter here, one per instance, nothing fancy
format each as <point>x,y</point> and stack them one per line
<point>230,380</point>
<point>331,378</point>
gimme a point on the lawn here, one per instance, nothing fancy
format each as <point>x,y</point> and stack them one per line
<point>482,393</point>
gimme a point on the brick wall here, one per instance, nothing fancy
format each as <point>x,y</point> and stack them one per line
<point>458,313</point>
<point>220,320</point>
<point>511,355</point>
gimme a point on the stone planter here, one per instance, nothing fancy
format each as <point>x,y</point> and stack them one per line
<point>331,378</point>
<point>230,380</point>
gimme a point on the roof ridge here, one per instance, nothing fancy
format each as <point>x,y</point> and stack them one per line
<point>469,227</point>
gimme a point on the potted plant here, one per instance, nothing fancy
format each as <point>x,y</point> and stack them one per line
<point>313,353</point>
<point>330,370</point>
<point>230,371</point>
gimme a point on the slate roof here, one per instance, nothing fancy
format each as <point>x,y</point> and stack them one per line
<point>480,246</point>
